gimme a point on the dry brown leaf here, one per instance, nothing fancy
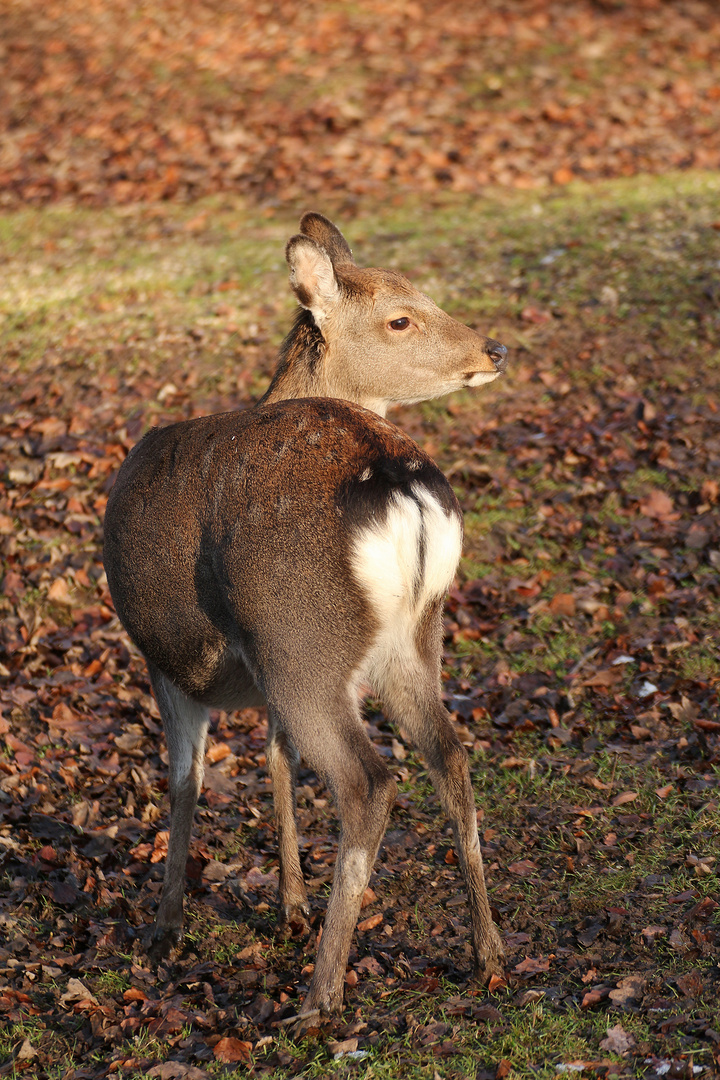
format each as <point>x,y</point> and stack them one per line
<point>531,966</point>
<point>371,923</point>
<point>59,593</point>
<point>77,992</point>
<point>651,933</point>
<point>657,504</point>
<point>563,604</point>
<point>605,677</point>
<point>618,1040</point>
<point>624,797</point>
<point>523,867</point>
<point>346,1046</point>
<point>590,998</point>
<point>66,719</point>
<point>230,1050</point>
<point>686,711</point>
<point>628,989</point>
<point>217,752</point>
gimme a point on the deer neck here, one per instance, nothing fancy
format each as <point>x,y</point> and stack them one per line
<point>303,370</point>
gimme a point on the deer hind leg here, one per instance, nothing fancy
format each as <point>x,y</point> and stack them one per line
<point>283,760</point>
<point>331,738</point>
<point>185,722</point>
<point>408,683</point>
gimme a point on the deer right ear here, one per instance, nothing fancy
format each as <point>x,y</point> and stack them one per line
<point>320,229</point>
<point>312,277</point>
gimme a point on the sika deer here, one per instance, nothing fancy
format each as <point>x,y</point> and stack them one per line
<point>291,554</point>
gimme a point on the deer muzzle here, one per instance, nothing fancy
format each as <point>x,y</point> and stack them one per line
<point>498,355</point>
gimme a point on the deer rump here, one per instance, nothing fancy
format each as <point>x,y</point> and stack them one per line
<point>307,542</point>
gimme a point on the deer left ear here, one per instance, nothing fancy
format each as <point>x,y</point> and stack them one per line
<point>312,277</point>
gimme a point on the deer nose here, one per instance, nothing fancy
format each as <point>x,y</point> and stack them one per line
<point>498,354</point>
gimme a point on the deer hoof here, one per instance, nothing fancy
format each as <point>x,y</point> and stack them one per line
<point>294,919</point>
<point>323,1000</point>
<point>163,942</point>
<point>491,959</point>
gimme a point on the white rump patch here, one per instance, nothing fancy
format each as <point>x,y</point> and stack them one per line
<point>408,560</point>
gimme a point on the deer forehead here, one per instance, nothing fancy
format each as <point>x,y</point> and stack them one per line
<point>386,291</point>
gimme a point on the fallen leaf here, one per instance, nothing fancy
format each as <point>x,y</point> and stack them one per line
<point>530,966</point>
<point>624,797</point>
<point>217,752</point>
<point>607,677</point>
<point>563,604</point>
<point>657,505</point>
<point>76,991</point>
<point>339,1049</point>
<point>26,1052</point>
<point>59,593</point>
<point>370,965</point>
<point>523,868</point>
<point>371,923</point>
<point>177,1070</point>
<point>528,997</point>
<point>230,1050</point>
<point>652,933</point>
<point>66,719</point>
<point>398,750</point>
<point>628,989</point>
<point>707,725</point>
<point>690,985</point>
<point>618,1040</point>
<point>497,982</point>
<point>215,871</point>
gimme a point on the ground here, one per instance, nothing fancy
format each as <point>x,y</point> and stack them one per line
<point>582,653</point>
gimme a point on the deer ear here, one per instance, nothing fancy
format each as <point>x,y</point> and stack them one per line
<point>320,229</point>
<point>312,277</point>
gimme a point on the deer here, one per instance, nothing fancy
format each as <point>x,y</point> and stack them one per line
<point>295,553</point>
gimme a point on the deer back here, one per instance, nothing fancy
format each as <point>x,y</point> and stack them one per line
<point>289,534</point>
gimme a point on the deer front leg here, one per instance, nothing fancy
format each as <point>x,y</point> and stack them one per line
<point>448,767</point>
<point>282,761</point>
<point>412,696</point>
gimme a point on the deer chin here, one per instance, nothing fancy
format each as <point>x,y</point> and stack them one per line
<point>479,378</point>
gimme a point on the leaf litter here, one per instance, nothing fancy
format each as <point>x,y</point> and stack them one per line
<point>581,635</point>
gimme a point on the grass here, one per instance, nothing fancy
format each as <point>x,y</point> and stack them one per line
<point>119,302</point>
<point>163,270</point>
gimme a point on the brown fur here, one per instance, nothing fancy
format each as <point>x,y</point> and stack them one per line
<point>231,550</point>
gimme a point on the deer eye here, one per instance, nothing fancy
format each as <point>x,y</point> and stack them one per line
<point>399,324</point>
